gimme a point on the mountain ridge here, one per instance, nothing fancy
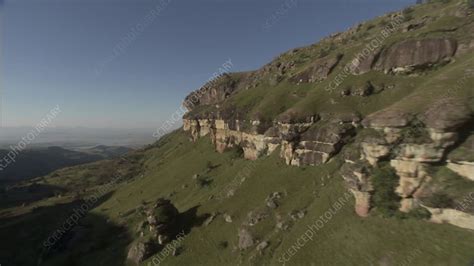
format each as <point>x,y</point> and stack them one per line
<point>264,156</point>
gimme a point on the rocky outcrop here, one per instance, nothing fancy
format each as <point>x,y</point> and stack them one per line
<point>140,251</point>
<point>318,70</point>
<point>363,65</point>
<point>447,115</point>
<point>465,169</point>
<point>303,142</point>
<point>162,217</point>
<point>410,55</point>
<point>357,177</point>
<point>245,239</point>
<point>451,216</point>
<point>213,92</point>
<point>390,118</point>
<point>319,143</point>
<point>411,148</point>
<point>159,227</point>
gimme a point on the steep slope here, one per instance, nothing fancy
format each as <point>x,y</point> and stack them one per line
<point>398,89</point>
<point>277,165</point>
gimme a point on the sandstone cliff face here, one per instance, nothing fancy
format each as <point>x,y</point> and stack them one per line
<point>318,70</point>
<point>442,123</point>
<point>212,93</point>
<point>412,54</point>
<point>407,56</point>
<point>451,216</point>
<point>301,143</point>
<point>410,143</point>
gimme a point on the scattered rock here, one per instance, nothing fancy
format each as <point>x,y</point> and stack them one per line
<point>210,219</point>
<point>295,215</point>
<point>227,218</point>
<point>141,226</point>
<point>271,200</point>
<point>255,216</point>
<point>162,217</point>
<point>364,90</point>
<point>263,245</point>
<point>140,251</point>
<point>162,239</point>
<point>282,225</point>
<point>245,239</point>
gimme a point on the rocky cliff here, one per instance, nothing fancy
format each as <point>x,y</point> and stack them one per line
<point>415,112</point>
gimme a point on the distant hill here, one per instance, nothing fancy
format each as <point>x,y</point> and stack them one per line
<point>357,150</point>
<point>42,161</point>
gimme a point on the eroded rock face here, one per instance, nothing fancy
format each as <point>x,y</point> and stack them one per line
<point>442,126</point>
<point>373,149</point>
<point>413,54</point>
<point>357,178</point>
<point>318,71</point>
<point>319,143</point>
<point>453,217</point>
<point>447,115</point>
<point>211,93</point>
<point>390,118</point>
<point>305,142</point>
<point>364,65</point>
<point>465,169</point>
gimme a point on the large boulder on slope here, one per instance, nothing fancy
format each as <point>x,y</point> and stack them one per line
<point>416,53</point>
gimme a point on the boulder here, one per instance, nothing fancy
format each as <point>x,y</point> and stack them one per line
<point>140,251</point>
<point>318,70</point>
<point>162,216</point>
<point>416,54</point>
<point>387,118</point>
<point>362,202</point>
<point>263,245</point>
<point>448,114</point>
<point>227,218</point>
<point>363,90</point>
<point>363,65</point>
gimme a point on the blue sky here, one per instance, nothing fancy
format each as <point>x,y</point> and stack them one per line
<point>51,50</point>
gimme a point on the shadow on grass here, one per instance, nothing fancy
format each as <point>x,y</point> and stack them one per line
<point>92,240</point>
<point>190,219</point>
<point>23,195</point>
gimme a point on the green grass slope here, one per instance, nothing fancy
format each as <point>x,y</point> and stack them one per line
<point>344,239</point>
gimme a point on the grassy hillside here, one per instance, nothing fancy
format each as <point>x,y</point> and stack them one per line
<point>344,240</point>
<point>218,195</point>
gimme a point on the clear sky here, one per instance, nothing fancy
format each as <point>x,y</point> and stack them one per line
<point>61,52</point>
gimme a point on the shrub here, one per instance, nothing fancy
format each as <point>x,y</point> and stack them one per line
<point>470,3</point>
<point>223,244</point>
<point>419,213</point>
<point>203,182</point>
<point>384,197</point>
<point>440,200</point>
